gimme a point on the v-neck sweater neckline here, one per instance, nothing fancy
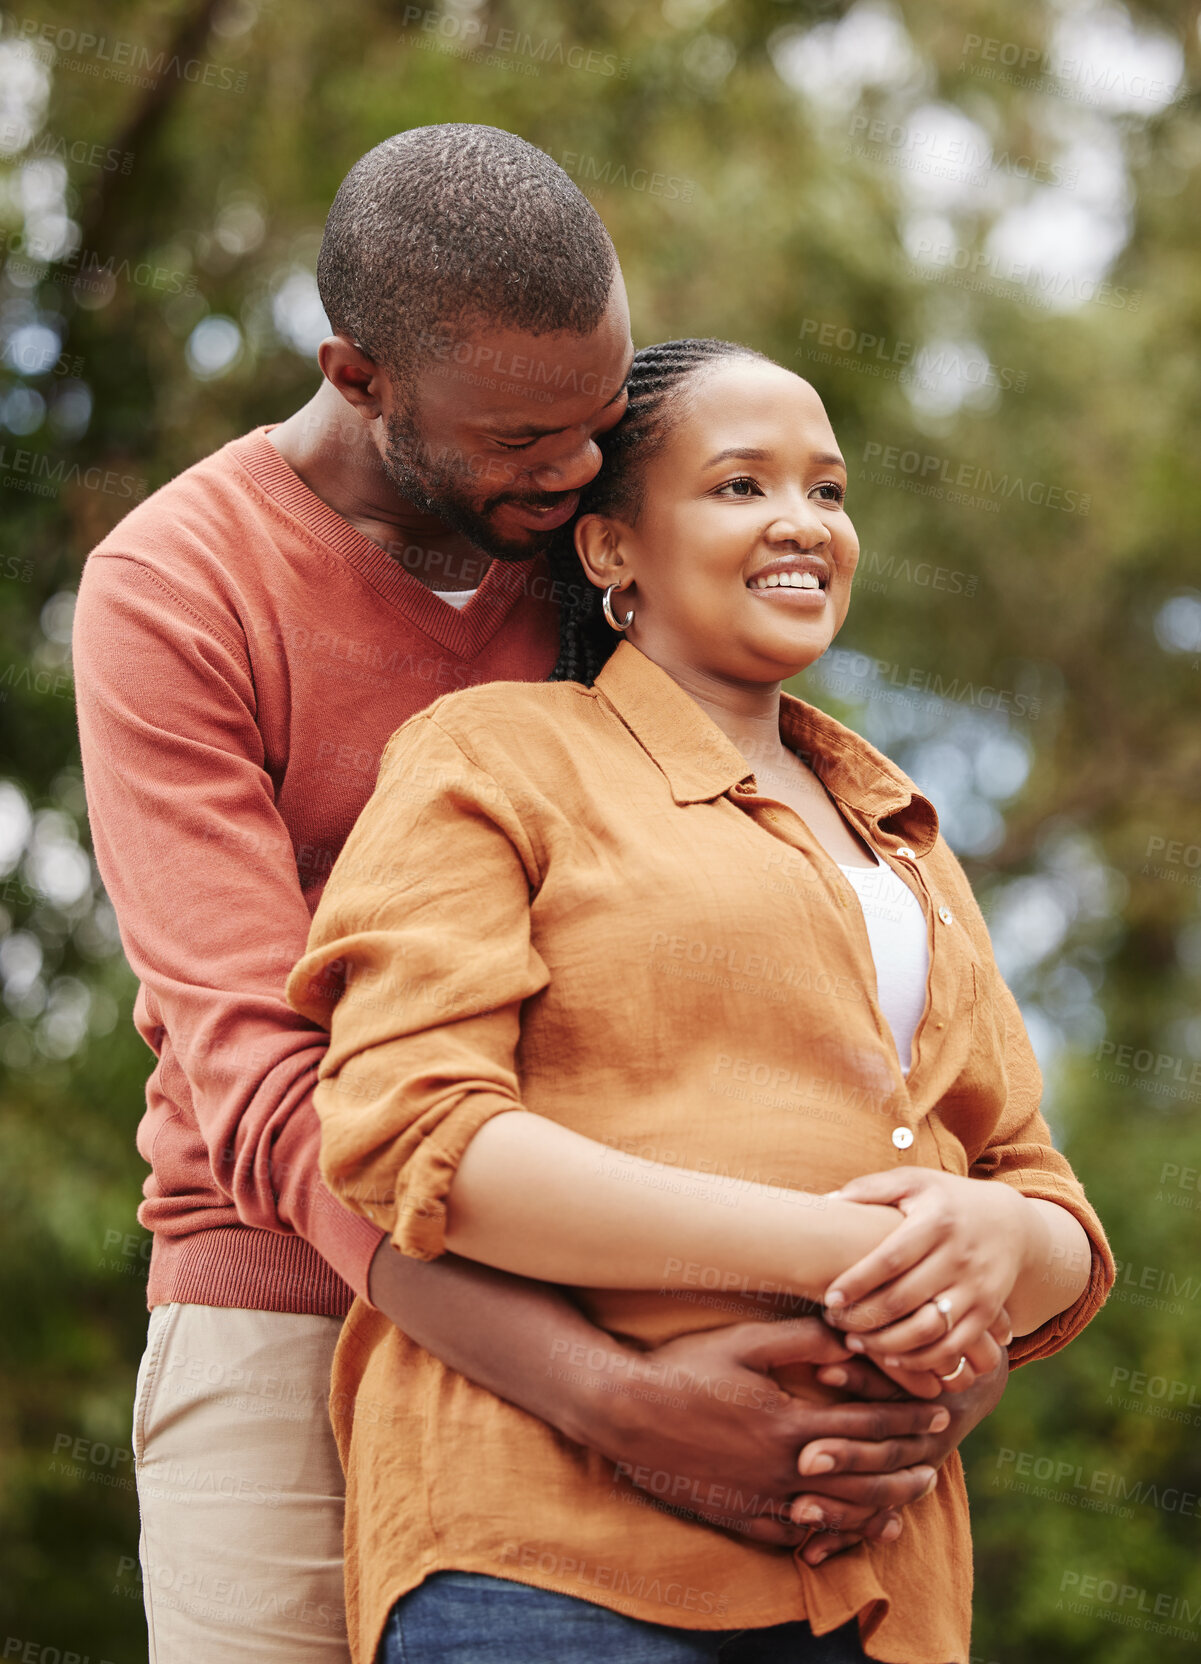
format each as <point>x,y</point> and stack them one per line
<point>461,632</point>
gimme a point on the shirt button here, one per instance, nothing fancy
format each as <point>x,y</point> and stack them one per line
<point>902,1137</point>
<point>946,915</point>
<point>906,853</point>
<point>745,786</point>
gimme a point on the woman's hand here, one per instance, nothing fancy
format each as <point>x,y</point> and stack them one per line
<point>965,1241</point>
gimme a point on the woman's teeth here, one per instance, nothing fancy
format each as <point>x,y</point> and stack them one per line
<point>786,580</point>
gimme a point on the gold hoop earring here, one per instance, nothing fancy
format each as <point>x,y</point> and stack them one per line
<point>611,618</point>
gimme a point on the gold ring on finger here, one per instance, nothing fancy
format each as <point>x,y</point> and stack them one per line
<point>957,1371</point>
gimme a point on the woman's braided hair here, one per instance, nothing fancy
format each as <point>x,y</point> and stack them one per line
<point>657,377</point>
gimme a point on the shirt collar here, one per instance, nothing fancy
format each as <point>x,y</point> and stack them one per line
<point>701,764</point>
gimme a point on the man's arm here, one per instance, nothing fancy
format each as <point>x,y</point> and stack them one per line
<point>655,1413</point>
<point>201,871</point>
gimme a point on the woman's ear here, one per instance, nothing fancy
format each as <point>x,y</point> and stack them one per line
<point>598,543</point>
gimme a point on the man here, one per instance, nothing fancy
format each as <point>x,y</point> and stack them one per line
<point>246,642</point>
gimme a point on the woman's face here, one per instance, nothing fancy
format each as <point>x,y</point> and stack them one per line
<point>740,564</point>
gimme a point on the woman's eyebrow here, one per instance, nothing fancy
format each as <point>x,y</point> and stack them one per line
<point>747,452</point>
<point>750,454</point>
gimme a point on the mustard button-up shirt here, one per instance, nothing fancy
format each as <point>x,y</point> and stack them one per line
<point>578,902</point>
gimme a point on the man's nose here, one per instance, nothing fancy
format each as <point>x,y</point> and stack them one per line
<point>577,468</point>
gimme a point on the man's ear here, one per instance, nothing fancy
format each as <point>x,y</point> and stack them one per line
<point>359,379</point>
<point>598,543</point>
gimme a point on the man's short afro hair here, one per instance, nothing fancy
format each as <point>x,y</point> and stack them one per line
<point>443,229</point>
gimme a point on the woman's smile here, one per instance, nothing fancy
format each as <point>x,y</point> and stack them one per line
<point>798,581</point>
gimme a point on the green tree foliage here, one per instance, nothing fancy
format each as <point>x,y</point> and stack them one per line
<point>974,228</point>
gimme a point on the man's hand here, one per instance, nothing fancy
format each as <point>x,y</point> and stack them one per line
<point>729,1454</point>
<point>834,1458</point>
<point>698,1423</point>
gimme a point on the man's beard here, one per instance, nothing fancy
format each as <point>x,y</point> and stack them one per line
<point>446,491</point>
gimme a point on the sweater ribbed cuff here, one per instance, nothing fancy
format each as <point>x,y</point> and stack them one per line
<point>261,1271</point>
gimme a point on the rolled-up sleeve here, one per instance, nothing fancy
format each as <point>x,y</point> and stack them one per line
<point>1020,1153</point>
<point>419,961</point>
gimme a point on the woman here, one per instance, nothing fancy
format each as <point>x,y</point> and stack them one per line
<point>631,1028</point>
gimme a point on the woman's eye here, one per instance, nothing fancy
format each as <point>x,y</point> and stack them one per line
<point>835,493</point>
<point>743,486</point>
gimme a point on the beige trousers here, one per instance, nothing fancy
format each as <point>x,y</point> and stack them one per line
<point>240,1488</point>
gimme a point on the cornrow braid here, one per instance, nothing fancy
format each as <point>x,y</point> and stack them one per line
<point>658,376</point>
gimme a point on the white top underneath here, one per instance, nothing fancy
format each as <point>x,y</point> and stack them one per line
<point>457,598</point>
<point>896,933</point>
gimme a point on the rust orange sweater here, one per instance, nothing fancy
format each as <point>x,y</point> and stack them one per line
<point>242,656</point>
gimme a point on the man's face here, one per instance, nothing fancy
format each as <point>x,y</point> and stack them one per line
<point>495,434</point>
